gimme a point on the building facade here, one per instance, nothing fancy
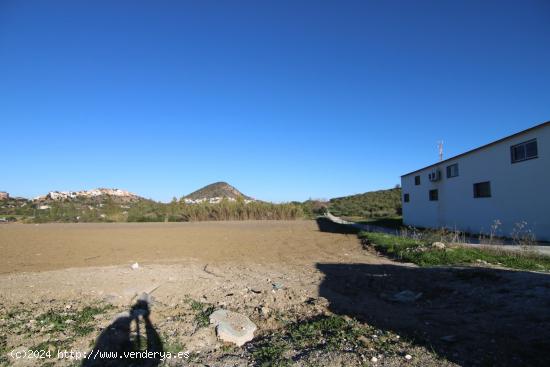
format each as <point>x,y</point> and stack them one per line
<point>506,182</point>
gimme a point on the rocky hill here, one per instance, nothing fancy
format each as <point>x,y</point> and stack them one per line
<point>215,192</point>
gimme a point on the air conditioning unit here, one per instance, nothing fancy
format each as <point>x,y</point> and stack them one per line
<point>435,175</point>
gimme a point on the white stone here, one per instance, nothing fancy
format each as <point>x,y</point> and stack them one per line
<point>135,266</point>
<point>233,327</point>
<point>408,357</point>
<point>374,359</point>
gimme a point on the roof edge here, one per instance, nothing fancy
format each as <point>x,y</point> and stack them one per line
<point>547,123</point>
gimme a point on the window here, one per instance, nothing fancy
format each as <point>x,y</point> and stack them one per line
<point>406,198</point>
<point>417,180</point>
<point>452,170</point>
<point>434,195</point>
<point>482,190</point>
<point>524,151</point>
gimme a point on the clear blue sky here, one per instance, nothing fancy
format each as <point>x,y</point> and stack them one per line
<point>285,100</point>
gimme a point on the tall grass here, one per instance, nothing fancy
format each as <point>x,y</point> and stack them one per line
<point>225,210</point>
<point>151,211</point>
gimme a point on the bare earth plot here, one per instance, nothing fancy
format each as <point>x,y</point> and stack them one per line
<point>62,284</point>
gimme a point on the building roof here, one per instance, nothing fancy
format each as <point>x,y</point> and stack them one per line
<point>544,124</point>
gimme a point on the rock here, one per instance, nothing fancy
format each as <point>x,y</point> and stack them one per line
<point>111,298</point>
<point>233,327</point>
<point>438,245</point>
<point>277,286</point>
<point>135,266</point>
<point>365,341</point>
<point>264,311</point>
<point>406,296</point>
<point>202,340</point>
<point>448,338</point>
<point>374,359</point>
<point>408,357</point>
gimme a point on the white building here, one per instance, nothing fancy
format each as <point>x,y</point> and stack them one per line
<point>507,180</point>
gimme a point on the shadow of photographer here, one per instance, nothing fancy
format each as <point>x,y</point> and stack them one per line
<point>120,344</point>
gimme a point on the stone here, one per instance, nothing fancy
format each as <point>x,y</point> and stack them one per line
<point>365,341</point>
<point>264,310</point>
<point>374,359</point>
<point>438,245</point>
<point>408,357</point>
<point>232,327</point>
<point>203,340</point>
<point>448,338</point>
<point>135,266</point>
<point>406,296</point>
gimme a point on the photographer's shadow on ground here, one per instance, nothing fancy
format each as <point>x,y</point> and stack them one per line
<point>121,345</point>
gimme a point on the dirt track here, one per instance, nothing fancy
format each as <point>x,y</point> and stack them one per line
<point>58,246</point>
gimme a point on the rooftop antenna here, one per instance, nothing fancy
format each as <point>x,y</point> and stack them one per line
<point>440,147</point>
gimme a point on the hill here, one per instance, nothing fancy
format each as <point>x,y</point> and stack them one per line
<point>217,190</point>
<point>381,203</point>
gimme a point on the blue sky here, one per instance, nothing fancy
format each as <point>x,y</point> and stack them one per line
<point>286,100</point>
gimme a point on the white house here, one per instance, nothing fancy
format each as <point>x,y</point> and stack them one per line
<point>507,180</point>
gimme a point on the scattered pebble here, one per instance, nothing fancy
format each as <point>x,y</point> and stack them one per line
<point>374,359</point>
<point>408,357</point>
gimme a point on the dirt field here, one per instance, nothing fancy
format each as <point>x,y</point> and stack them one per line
<point>59,246</point>
<point>317,296</point>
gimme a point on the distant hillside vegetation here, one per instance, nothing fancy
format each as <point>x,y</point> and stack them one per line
<point>218,201</point>
<point>217,190</point>
<point>371,204</point>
